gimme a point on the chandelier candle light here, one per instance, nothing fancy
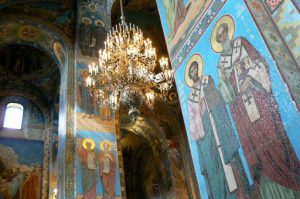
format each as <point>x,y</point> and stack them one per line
<point>125,72</point>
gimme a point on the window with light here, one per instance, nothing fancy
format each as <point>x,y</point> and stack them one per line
<point>13,116</point>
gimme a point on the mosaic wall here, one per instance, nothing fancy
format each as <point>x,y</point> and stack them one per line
<point>25,31</point>
<point>35,121</point>
<point>93,19</point>
<point>59,13</point>
<point>144,180</point>
<point>286,63</point>
<point>33,130</point>
<point>297,3</point>
<point>240,116</point>
<point>179,17</point>
<point>93,24</point>
<point>21,168</point>
<point>164,177</point>
<point>287,19</point>
<point>94,125</point>
<point>97,165</point>
<point>273,5</point>
<point>33,125</point>
<point>89,115</point>
<point>40,34</point>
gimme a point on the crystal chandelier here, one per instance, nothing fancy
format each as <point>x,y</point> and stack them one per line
<point>126,71</point>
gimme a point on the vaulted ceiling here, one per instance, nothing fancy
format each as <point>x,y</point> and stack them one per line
<point>31,67</point>
<point>60,13</point>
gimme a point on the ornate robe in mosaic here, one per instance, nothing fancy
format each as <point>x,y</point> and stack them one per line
<point>204,98</point>
<point>31,186</point>
<point>245,85</point>
<point>88,172</point>
<point>85,34</point>
<point>85,98</point>
<point>107,170</point>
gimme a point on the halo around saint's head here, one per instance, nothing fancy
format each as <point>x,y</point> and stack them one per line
<point>90,141</point>
<point>86,19</point>
<point>106,142</point>
<point>197,58</point>
<point>98,21</point>
<point>227,19</point>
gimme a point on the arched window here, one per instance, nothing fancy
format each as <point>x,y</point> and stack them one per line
<point>13,116</point>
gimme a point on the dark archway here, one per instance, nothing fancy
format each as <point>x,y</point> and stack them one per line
<point>146,176</point>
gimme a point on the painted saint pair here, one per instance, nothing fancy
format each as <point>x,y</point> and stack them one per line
<point>92,163</point>
<point>244,85</point>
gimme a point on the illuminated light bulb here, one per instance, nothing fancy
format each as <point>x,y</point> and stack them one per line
<point>127,63</point>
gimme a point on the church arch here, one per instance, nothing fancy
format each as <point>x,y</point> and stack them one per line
<point>154,145</point>
<point>38,34</point>
<point>41,35</point>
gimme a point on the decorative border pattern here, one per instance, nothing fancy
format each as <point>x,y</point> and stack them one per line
<point>285,63</point>
<point>273,4</point>
<point>197,32</point>
<point>287,21</point>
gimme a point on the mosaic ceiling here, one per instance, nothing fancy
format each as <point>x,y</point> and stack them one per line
<point>31,66</point>
<point>58,12</point>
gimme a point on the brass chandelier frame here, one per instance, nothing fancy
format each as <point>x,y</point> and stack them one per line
<point>125,73</point>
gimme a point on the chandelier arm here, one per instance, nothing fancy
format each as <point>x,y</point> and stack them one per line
<point>126,71</point>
